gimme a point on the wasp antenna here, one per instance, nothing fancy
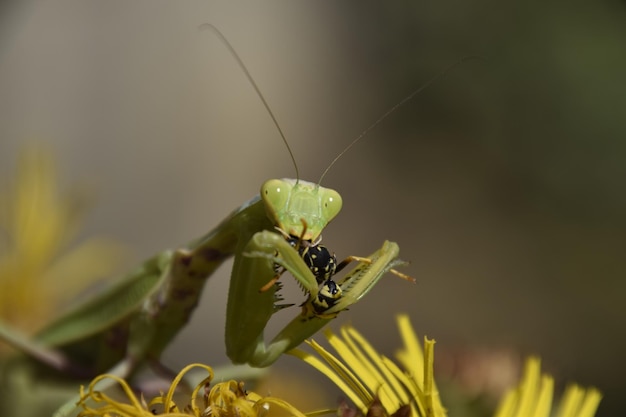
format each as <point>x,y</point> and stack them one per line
<point>424,86</point>
<point>243,67</point>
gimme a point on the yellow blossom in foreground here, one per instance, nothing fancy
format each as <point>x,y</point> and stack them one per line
<point>533,397</point>
<point>38,271</point>
<point>375,384</point>
<point>225,399</point>
<point>378,387</point>
<point>365,375</point>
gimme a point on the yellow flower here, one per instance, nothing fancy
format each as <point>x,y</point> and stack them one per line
<point>365,375</point>
<point>377,387</point>
<point>375,384</point>
<point>533,397</point>
<point>225,399</point>
<point>38,271</point>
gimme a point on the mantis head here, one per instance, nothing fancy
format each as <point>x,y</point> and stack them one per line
<point>300,208</point>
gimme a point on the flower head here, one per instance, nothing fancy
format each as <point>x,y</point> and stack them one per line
<point>224,399</point>
<point>37,269</point>
<point>378,387</point>
<point>533,397</point>
<point>373,382</point>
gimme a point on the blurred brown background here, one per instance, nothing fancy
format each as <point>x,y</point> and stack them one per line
<point>503,182</point>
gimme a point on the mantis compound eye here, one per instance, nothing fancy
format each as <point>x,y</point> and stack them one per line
<point>330,203</point>
<point>275,193</point>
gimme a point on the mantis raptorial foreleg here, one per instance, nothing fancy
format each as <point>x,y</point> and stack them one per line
<point>245,343</point>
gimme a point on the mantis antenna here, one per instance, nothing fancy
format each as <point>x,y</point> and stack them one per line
<point>371,127</point>
<point>424,86</point>
<point>243,67</point>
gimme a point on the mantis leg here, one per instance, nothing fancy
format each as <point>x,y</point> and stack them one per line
<point>249,310</point>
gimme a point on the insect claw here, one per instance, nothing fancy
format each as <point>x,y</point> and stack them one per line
<point>278,307</point>
<point>399,262</point>
<point>397,273</point>
<point>403,276</point>
<point>269,284</point>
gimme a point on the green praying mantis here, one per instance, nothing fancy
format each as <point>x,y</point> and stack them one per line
<point>277,231</point>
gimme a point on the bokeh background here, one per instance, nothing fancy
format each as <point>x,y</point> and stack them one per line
<point>504,183</point>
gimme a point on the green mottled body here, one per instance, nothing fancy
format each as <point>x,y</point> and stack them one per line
<point>142,314</point>
<point>131,322</point>
<point>135,320</point>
